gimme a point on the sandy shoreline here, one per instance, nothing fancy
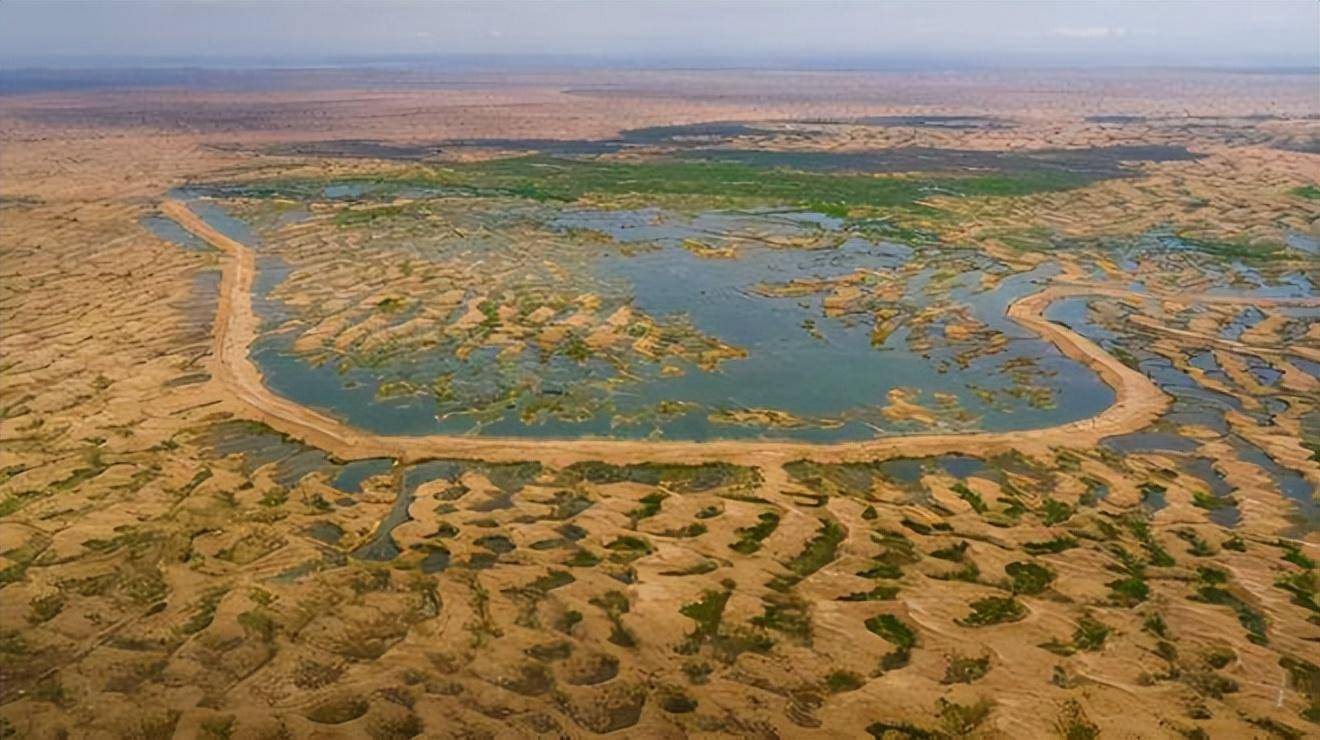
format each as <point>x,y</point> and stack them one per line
<point>1138,401</point>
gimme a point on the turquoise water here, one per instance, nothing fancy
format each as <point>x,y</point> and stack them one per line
<point>830,373</point>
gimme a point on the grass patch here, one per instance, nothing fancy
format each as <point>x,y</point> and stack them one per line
<point>1303,585</point>
<point>820,550</point>
<point>972,498</point>
<point>550,178</point>
<point>961,720</point>
<point>1304,676</point>
<point>749,538</point>
<point>1236,249</point>
<point>650,507</point>
<point>677,478</point>
<point>895,632</point>
<point>994,610</point>
<point>1309,192</point>
<point>615,604</point>
<point>367,216</point>
<point>788,614</point>
<point>1056,545</point>
<point>727,641</point>
<point>1128,591</point>
<point>879,593</point>
<point>706,613</point>
<point>1251,620</point>
<point>1211,503</point>
<point>1055,512</point>
<point>839,682</point>
<point>1028,578</point>
<point>961,669</point>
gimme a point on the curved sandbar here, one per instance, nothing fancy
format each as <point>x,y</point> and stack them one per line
<point>1138,401</point>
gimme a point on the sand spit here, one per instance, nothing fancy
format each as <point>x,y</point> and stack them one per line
<point>1138,401</point>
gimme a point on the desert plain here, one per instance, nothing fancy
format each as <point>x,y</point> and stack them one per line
<point>346,403</point>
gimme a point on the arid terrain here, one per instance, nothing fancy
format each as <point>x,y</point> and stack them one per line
<point>349,403</point>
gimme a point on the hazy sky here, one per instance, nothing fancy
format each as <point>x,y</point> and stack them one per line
<point>1223,32</point>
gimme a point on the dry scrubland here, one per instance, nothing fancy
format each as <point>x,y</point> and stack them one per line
<point>182,551</point>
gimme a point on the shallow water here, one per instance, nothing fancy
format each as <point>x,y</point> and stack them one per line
<point>1149,442</point>
<point>350,478</point>
<point>1291,484</point>
<point>1204,469</point>
<point>836,375</point>
<point>170,231</point>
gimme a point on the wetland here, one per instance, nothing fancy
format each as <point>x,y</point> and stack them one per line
<point>662,404</point>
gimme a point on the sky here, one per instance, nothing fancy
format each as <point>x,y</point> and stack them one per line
<point>668,33</point>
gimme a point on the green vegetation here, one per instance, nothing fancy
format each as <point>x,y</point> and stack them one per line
<point>961,669</point>
<point>338,710</point>
<point>677,478</point>
<point>649,508</point>
<point>1236,250</point>
<point>1211,503</point>
<point>726,641</point>
<point>1218,657</point>
<point>562,179</point>
<point>907,731</point>
<point>847,479</point>
<point>1073,724</point>
<point>1157,555</point>
<point>366,216</point>
<point>842,681</point>
<point>1128,591</point>
<point>1292,552</point>
<point>878,593</point>
<point>627,548</point>
<point>961,720</point>
<point>786,613</point>
<point>1058,544</point>
<point>1055,512</point>
<point>895,632</point>
<point>1310,192</point>
<point>568,621</point>
<point>819,551</point>
<point>1304,676</point>
<point>706,613</point>
<point>1131,589</point>
<point>994,610</point>
<point>749,538</point>
<point>1199,547</point>
<point>1251,620</point>
<point>204,613</point>
<point>615,604</point>
<point>675,701</point>
<point>1028,578</point>
<point>582,558</point>
<point>1089,636</point>
<point>958,554</point>
<point>971,497</point>
<point>1304,586</point>
<point>953,553</point>
<point>46,608</point>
